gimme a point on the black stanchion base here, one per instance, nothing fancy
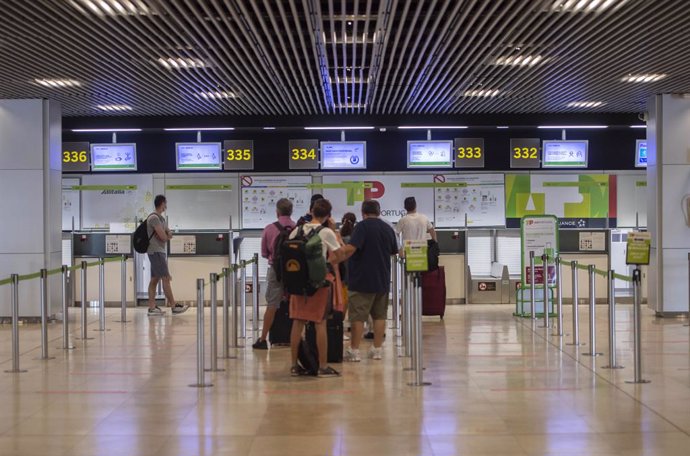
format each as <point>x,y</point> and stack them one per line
<point>12,371</point>
<point>71,347</point>
<point>204,385</point>
<point>613,367</point>
<point>85,338</point>
<point>632,382</point>
<point>581,344</point>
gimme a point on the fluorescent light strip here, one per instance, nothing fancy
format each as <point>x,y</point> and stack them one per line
<point>201,129</point>
<point>104,130</point>
<point>571,127</point>
<point>638,126</point>
<point>643,77</point>
<point>585,104</point>
<point>519,60</point>
<point>114,107</point>
<point>502,127</point>
<point>269,128</point>
<point>338,128</point>
<point>439,127</point>
<point>58,83</point>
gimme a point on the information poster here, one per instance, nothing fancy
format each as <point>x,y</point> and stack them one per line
<point>578,200</point>
<point>592,241</point>
<point>638,248</point>
<point>183,245</point>
<point>260,194</point>
<point>539,234</point>
<point>386,189</point>
<point>480,201</point>
<point>118,244</point>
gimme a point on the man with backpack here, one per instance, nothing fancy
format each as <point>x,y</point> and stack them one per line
<point>311,282</point>
<point>272,238</point>
<point>159,235</point>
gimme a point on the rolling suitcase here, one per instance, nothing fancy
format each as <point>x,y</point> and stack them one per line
<point>434,292</point>
<point>334,333</point>
<point>279,334</point>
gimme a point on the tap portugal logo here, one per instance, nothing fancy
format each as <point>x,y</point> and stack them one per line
<point>364,190</point>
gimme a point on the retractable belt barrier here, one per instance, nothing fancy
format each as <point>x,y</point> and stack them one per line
<point>610,276</point>
<point>43,275</point>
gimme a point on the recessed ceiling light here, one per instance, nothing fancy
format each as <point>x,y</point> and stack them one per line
<point>644,77</point>
<point>199,129</point>
<point>114,107</point>
<point>269,128</point>
<point>216,95</point>
<point>502,127</point>
<point>180,63</point>
<point>572,127</point>
<point>585,104</point>
<point>520,60</point>
<point>104,130</point>
<point>586,6</point>
<point>638,126</point>
<point>481,93</point>
<point>57,83</point>
<point>433,127</point>
<point>111,7</point>
<point>338,128</point>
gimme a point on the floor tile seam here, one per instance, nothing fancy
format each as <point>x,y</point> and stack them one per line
<point>600,376</point>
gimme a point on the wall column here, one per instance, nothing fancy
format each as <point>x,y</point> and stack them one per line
<point>30,199</point>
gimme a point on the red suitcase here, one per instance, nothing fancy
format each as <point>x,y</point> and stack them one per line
<point>434,292</point>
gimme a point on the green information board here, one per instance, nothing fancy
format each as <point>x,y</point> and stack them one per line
<point>416,259</point>
<point>637,252</point>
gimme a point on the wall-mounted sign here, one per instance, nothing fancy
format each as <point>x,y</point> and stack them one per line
<point>76,157</point>
<point>238,154</point>
<point>641,153</point>
<point>429,154</point>
<point>565,154</point>
<point>469,152</point>
<point>539,234</point>
<point>197,156</point>
<point>343,155</point>
<point>114,157</point>
<point>303,154</point>
<point>525,153</point>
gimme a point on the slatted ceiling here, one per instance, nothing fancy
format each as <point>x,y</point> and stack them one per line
<point>312,57</point>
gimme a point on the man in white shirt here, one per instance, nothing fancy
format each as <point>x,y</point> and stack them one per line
<point>414,226</point>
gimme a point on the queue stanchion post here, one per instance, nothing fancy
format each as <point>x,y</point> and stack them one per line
<point>533,287</point>
<point>576,313</point>
<point>408,314</point>
<point>394,288</point>
<point>403,310</point>
<point>235,308</point>
<point>613,364</point>
<point>200,356</point>
<point>44,315</point>
<point>255,296</point>
<point>418,349</point>
<point>101,295</point>
<point>123,290</point>
<point>243,299</point>
<point>559,297</point>
<point>545,285</point>
<point>226,290</point>
<point>592,313</point>
<point>65,309</point>
<point>213,284</point>
<point>637,326</point>
<point>84,303</point>
<point>412,335</point>
<point>15,326</point>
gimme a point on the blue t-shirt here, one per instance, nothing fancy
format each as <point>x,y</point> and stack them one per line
<point>369,267</point>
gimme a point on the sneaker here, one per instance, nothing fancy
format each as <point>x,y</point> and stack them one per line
<point>297,371</point>
<point>375,353</point>
<point>328,371</point>
<point>180,308</point>
<point>260,345</point>
<point>352,356</point>
<point>156,311</point>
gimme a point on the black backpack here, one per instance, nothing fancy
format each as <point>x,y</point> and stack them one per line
<point>141,238</point>
<point>283,235</point>
<point>303,267</point>
<point>432,254</point>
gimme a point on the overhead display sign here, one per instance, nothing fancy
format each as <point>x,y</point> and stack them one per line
<point>539,234</point>
<point>478,200</point>
<point>238,154</point>
<point>525,153</point>
<point>565,154</point>
<point>261,193</point>
<point>344,155</point>
<point>429,154</point>
<point>578,200</point>
<point>114,157</point>
<point>469,152</point>
<point>197,156</point>
<point>303,153</point>
<point>641,153</point>
<point>76,157</point>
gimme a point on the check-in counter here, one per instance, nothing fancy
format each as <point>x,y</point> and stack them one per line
<point>491,289</point>
<point>452,246</point>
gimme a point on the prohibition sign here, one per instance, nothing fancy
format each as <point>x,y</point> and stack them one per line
<point>439,178</point>
<point>247,181</point>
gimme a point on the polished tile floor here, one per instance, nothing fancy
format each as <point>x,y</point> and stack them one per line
<point>500,386</point>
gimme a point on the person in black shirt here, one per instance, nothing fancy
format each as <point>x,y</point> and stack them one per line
<point>372,243</point>
<point>306,218</point>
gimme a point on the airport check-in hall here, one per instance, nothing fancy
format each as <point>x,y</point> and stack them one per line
<point>344,227</point>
